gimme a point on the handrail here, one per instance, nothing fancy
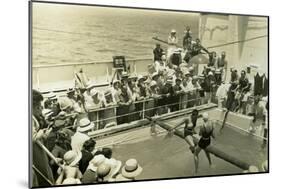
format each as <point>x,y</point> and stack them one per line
<point>141,101</point>
<point>37,66</point>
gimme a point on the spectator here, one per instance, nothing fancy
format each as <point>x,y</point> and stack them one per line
<point>172,42</point>
<point>102,172</point>
<point>108,115</point>
<point>129,171</point>
<point>96,104</point>
<point>198,48</point>
<point>167,94</point>
<point>39,134</point>
<point>70,170</point>
<point>87,97</point>
<point>81,135</point>
<point>125,100</point>
<point>177,95</point>
<point>221,94</point>
<point>88,148</point>
<point>222,64</point>
<point>116,90</point>
<point>158,52</point>
<point>107,152</point>
<point>90,175</point>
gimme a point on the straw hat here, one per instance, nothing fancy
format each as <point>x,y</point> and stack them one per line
<point>65,103</point>
<point>96,161</point>
<point>153,83</point>
<point>173,31</point>
<point>70,90</point>
<point>210,74</point>
<point>205,115</point>
<point>169,81</point>
<point>85,125</point>
<point>140,77</point>
<point>124,74</point>
<point>252,169</point>
<point>93,92</point>
<point>103,170</point>
<point>154,75</point>
<point>131,169</point>
<point>72,157</point>
<point>116,81</point>
<point>115,167</point>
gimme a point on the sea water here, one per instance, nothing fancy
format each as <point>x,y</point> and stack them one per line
<point>64,34</point>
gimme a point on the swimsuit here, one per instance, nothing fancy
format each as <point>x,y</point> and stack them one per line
<point>205,139</point>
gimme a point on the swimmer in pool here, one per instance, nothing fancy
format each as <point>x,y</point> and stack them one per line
<point>206,132</point>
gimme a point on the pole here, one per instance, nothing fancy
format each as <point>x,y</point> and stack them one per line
<point>49,153</point>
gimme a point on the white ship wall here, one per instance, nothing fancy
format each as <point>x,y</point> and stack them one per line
<point>219,29</point>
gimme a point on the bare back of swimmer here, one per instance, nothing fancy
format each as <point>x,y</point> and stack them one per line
<point>206,132</point>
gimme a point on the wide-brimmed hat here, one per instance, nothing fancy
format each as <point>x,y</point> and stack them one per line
<point>95,162</point>
<point>93,92</point>
<point>210,74</point>
<point>115,166</point>
<point>178,79</point>
<point>85,125</point>
<point>141,78</point>
<point>103,170</point>
<point>218,71</point>
<point>169,81</point>
<point>65,103</point>
<point>116,81</point>
<point>124,74</point>
<point>153,83</point>
<point>154,75</point>
<point>70,90</point>
<point>131,169</point>
<point>72,157</point>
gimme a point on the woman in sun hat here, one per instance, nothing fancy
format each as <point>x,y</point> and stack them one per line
<point>90,175</point>
<point>129,171</point>
<point>70,169</point>
<point>115,166</point>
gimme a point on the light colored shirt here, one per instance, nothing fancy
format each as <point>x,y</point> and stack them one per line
<point>77,141</point>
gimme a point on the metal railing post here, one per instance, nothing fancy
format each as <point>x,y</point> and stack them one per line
<point>143,109</point>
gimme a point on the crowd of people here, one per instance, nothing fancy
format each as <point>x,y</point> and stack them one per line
<point>62,156</point>
<point>61,123</point>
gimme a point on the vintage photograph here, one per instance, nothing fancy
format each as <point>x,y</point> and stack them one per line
<point>123,94</point>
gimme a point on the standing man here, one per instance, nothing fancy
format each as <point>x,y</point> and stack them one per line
<point>206,132</point>
<point>42,172</point>
<point>158,52</point>
<point>222,65</point>
<point>172,42</point>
